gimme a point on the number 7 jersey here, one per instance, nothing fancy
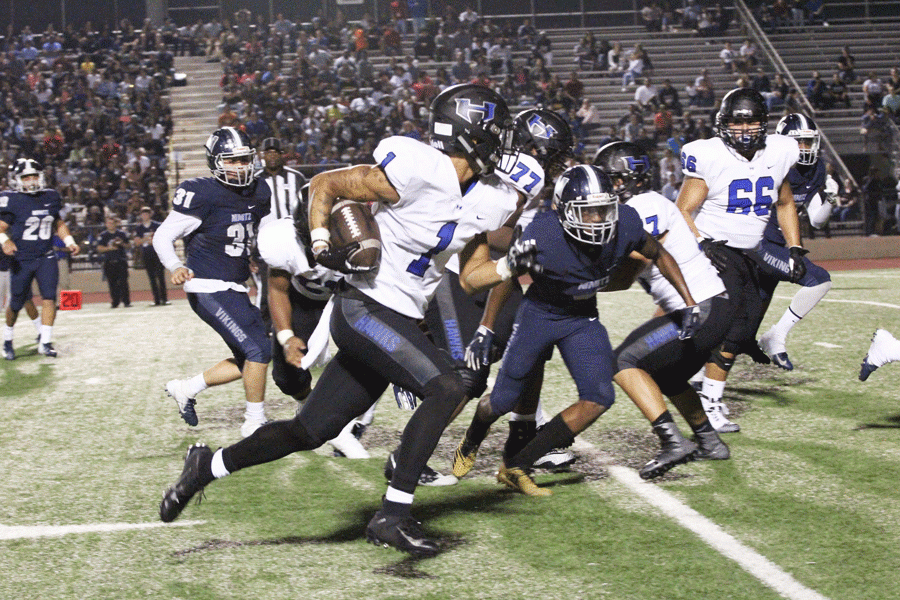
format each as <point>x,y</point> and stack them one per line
<point>742,192</point>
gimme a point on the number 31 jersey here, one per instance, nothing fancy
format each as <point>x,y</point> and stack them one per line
<point>30,219</point>
<point>741,192</point>
<point>432,221</point>
<point>220,247</point>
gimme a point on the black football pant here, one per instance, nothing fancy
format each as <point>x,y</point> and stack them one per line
<point>116,272</point>
<point>376,346</point>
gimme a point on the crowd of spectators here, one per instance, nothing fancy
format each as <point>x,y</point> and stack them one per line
<point>87,104</point>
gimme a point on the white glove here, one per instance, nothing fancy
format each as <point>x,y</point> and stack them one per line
<point>831,189</point>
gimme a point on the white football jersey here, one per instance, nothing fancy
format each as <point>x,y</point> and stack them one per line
<point>527,178</point>
<point>432,221</point>
<point>280,249</point>
<point>660,216</point>
<point>742,193</point>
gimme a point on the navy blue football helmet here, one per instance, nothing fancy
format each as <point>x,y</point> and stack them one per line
<point>27,167</point>
<point>587,205</point>
<point>545,135</point>
<point>231,144</point>
<point>804,130</point>
<point>474,121</point>
<point>628,166</point>
<point>743,106</point>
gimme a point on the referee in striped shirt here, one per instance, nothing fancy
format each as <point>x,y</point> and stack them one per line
<point>285,184</point>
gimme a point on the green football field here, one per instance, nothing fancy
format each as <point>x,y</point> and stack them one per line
<point>808,507</point>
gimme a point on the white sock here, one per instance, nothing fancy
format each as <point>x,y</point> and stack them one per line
<point>394,495</point>
<point>46,333</point>
<point>218,465</point>
<point>368,416</point>
<point>887,350</point>
<point>713,390</point>
<point>37,324</point>
<point>784,324</point>
<point>255,411</point>
<point>698,376</point>
<point>7,333</point>
<point>520,417</point>
<point>195,385</point>
<point>540,417</point>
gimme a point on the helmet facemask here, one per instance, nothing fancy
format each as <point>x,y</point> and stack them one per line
<point>591,219</point>
<point>809,138</point>
<point>742,139</point>
<point>28,177</point>
<point>240,175</point>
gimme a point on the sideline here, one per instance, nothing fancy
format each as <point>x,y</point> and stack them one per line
<point>18,532</point>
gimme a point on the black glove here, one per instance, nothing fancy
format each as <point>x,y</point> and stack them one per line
<point>479,350</point>
<point>522,254</point>
<point>337,259</point>
<point>716,253</point>
<point>796,264</point>
<point>690,322</point>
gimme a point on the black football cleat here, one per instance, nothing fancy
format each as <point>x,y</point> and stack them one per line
<point>676,450</point>
<point>402,533</point>
<point>195,476</point>
<point>711,447</point>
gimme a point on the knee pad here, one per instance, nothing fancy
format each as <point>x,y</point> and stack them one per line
<point>292,385</point>
<point>720,361</point>
<point>448,387</point>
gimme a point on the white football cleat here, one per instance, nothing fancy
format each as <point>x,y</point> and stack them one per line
<point>251,424</point>
<point>715,412</point>
<point>347,444</point>
<point>880,353</point>
<point>773,346</point>
<point>175,389</point>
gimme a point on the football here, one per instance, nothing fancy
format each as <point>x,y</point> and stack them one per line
<point>353,221</point>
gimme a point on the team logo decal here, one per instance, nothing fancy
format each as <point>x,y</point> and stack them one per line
<point>640,164</point>
<point>465,108</point>
<point>540,129</point>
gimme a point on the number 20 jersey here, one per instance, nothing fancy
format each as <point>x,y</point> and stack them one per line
<point>742,192</point>
<point>220,247</point>
<point>30,218</point>
<point>433,220</point>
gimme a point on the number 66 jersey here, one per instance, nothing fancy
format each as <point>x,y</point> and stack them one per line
<point>741,192</point>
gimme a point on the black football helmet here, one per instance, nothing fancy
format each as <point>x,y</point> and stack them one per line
<point>803,129</point>
<point>587,205</point>
<point>474,121</point>
<point>230,143</point>
<point>628,166</point>
<point>739,106</point>
<point>545,135</point>
<point>27,167</point>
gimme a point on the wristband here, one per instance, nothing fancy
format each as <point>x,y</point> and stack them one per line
<point>503,269</point>
<point>3,238</point>
<point>283,336</point>
<point>320,234</point>
<point>69,241</point>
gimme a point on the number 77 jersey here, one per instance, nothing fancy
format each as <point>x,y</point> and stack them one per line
<point>742,193</point>
<point>219,248</point>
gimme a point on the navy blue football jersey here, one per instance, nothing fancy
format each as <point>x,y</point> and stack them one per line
<point>106,239</point>
<point>141,230</point>
<point>31,220</point>
<point>220,247</point>
<point>803,185</point>
<point>574,272</point>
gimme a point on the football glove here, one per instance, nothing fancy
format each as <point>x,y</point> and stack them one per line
<point>479,350</point>
<point>831,190</point>
<point>338,259</point>
<point>715,252</point>
<point>796,264</point>
<point>522,254</point>
<point>690,322</point>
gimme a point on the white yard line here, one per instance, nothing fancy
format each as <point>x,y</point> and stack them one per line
<point>722,542</point>
<point>867,302</point>
<point>18,532</point>
<point>767,572</point>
